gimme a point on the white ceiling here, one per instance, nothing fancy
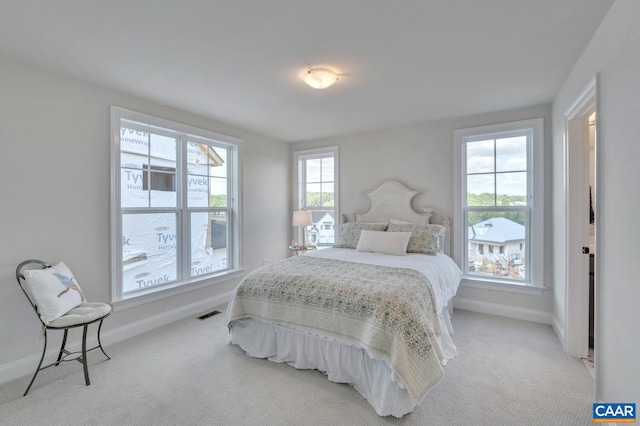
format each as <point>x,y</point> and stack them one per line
<point>240,61</point>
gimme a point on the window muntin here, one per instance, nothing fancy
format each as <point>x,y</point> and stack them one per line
<point>500,202</point>
<point>316,177</point>
<point>175,210</point>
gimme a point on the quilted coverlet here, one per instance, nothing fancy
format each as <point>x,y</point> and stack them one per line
<point>388,311</point>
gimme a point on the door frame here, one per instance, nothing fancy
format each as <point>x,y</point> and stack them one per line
<point>577,219</point>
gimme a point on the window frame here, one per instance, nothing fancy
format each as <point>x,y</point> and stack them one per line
<point>534,232</point>
<point>184,134</point>
<point>299,198</point>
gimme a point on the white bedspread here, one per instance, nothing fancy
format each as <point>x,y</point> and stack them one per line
<point>441,271</point>
<point>342,360</point>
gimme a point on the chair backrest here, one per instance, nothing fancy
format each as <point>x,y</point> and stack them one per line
<point>29,264</point>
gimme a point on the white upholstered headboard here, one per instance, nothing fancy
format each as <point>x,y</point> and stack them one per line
<point>392,200</point>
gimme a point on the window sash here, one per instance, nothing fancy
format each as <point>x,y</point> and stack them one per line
<point>185,252</point>
<point>522,273</point>
<point>301,160</point>
<point>531,208</point>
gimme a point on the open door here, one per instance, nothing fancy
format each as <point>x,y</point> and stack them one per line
<point>581,193</point>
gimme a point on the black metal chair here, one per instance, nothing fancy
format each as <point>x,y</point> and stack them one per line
<point>81,316</point>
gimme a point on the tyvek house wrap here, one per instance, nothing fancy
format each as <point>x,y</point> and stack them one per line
<point>150,240</point>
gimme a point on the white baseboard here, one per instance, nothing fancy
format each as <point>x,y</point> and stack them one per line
<point>503,310</point>
<point>26,366</point>
<point>558,329</point>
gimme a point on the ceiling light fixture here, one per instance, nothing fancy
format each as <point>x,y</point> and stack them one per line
<point>319,78</point>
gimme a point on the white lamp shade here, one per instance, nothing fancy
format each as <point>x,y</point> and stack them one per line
<point>302,218</point>
<point>320,78</point>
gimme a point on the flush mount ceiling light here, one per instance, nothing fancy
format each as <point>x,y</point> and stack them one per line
<point>319,78</point>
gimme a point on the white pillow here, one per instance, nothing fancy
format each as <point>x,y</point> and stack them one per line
<point>394,243</point>
<point>54,290</point>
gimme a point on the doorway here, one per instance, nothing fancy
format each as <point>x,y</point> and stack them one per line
<point>581,223</point>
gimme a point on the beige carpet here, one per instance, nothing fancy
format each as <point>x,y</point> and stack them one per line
<point>508,372</point>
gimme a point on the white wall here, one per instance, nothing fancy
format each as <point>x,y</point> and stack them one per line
<point>421,157</point>
<point>614,53</point>
<point>55,173</point>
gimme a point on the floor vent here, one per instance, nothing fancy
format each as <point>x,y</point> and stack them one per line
<point>207,315</point>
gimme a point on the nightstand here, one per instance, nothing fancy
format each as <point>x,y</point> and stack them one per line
<point>298,250</point>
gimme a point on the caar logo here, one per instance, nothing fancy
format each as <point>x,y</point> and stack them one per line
<point>619,413</point>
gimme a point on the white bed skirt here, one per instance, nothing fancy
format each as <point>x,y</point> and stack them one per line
<point>341,361</point>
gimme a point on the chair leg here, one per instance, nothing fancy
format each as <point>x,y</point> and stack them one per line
<point>99,342</point>
<point>64,342</point>
<point>44,351</point>
<point>84,354</point>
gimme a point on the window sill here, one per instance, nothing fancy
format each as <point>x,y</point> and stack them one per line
<point>170,291</point>
<point>502,286</point>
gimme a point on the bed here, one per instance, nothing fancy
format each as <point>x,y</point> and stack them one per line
<point>373,311</point>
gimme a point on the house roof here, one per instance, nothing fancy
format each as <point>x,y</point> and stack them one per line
<point>316,216</point>
<point>497,230</point>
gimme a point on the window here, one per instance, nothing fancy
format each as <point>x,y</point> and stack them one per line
<point>175,215</point>
<point>499,203</point>
<point>316,189</point>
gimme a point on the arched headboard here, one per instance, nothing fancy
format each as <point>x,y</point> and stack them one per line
<point>392,200</point>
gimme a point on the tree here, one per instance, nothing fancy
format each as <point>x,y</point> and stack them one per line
<point>319,199</point>
<point>488,199</point>
<point>217,201</point>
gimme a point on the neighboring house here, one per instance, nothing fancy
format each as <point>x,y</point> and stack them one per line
<point>496,247</point>
<point>323,228</point>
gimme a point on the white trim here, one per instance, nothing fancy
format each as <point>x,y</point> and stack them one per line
<point>26,366</point>
<point>536,191</point>
<point>141,299</point>
<point>584,99</point>
<point>576,173</point>
<point>234,175</point>
<point>558,329</point>
<point>507,311</point>
<point>320,152</point>
<point>506,286</point>
<point>162,123</point>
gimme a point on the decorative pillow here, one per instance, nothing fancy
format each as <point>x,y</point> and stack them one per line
<point>54,290</point>
<point>424,238</point>
<point>350,233</point>
<point>442,239</point>
<point>394,243</point>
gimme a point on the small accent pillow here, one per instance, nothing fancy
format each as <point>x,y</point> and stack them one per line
<point>54,290</point>
<point>394,243</point>
<point>350,233</point>
<point>424,238</point>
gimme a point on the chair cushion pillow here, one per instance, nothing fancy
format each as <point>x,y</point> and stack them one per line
<point>54,290</point>
<point>82,314</point>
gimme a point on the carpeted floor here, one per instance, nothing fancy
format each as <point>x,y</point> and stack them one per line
<point>509,372</point>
